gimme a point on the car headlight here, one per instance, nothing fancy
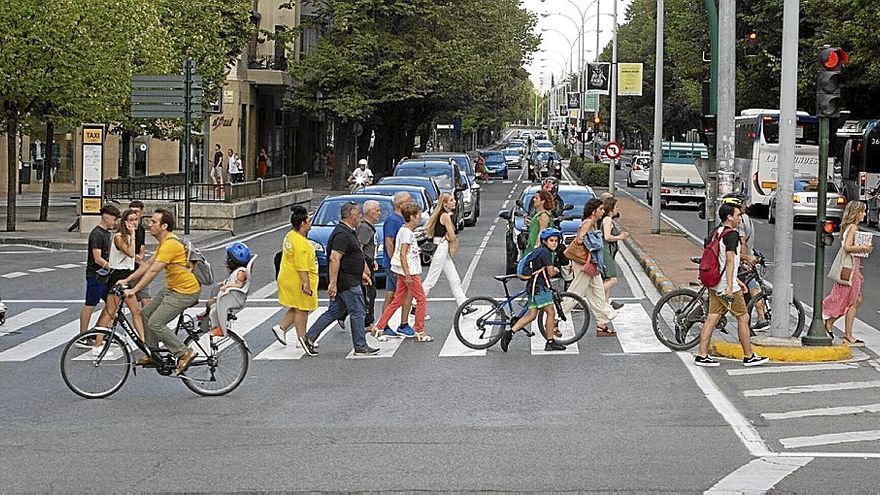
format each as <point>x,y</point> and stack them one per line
<point>316,246</point>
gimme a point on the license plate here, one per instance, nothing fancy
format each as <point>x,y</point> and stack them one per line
<point>687,190</point>
<point>811,200</point>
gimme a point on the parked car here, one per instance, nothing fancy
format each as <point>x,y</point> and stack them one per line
<point>427,183</point>
<point>420,197</point>
<point>471,197</point>
<point>448,177</point>
<point>639,171</point>
<point>805,199</point>
<point>325,219</point>
<point>496,164</point>
<point>537,163</point>
<point>517,233</point>
<point>513,157</point>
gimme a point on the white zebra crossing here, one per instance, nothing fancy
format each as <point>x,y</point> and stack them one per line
<point>252,318</point>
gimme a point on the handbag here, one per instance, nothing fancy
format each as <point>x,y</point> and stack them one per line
<point>428,247</point>
<point>576,252</point>
<point>589,267</point>
<point>841,269</point>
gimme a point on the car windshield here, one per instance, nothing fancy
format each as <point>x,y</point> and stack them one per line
<point>417,196</point>
<point>510,152</point>
<point>811,185</point>
<point>645,162</point>
<point>328,211</point>
<point>576,197</point>
<point>413,181</point>
<point>545,145</point>
<point>440,174</point>
<point>495,158</point>
<point>542,156</point>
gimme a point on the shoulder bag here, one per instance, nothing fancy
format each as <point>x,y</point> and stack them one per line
<point>841,269</point>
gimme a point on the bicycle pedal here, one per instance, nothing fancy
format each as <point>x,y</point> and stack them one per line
<point>529,333</point>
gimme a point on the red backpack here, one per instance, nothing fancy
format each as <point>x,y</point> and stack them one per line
<point>710,270</point>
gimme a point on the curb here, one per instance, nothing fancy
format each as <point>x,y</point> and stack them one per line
<point>784,354</point>
<point>207,240</point>
<point>661,282</point>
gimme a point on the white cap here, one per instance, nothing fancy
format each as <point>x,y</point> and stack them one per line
<point>362,161</point>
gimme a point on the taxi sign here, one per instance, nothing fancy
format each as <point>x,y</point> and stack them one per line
<point>613,150</point>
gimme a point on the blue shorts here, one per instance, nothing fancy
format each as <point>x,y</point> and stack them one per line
<point>390,280</point>
<point>753,284</point>
<point>95,291</point>
<point>541,298</point>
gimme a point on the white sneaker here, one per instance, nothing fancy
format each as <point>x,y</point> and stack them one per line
<point>113,353</point>
<point>279,334</point>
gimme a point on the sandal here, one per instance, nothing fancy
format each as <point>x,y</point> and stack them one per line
<point>853,342</point>
<point>604,331</point>
<point>423,337</point>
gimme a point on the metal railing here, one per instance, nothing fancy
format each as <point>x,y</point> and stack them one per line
<point>228,192</point>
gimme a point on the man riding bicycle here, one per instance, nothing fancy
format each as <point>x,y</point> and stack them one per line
<point>181,290</point>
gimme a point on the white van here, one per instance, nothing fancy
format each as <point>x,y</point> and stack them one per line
<point>681,181</point>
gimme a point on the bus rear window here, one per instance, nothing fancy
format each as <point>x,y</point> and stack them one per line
<point>806,132</point>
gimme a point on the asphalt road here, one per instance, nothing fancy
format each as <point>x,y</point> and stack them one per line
<point>616,414</point>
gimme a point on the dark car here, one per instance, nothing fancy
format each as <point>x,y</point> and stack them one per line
<point>538,165</point>
<point>427,183</point>
<point>448,177</point>
<point>496,164</point>
<point>326,218</point>
<point>518,233</point>
<point>471,207</point>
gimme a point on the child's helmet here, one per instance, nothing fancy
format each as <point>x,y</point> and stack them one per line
<point>239,252</point>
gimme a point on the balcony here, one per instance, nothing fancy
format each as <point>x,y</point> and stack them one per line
<point>268,70</point>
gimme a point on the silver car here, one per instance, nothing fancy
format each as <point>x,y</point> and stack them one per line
<point>639,171</point>
<point>805,198</point>
<point>513,157</point>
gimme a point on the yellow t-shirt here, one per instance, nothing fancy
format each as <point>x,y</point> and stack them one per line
<point>178,276</point>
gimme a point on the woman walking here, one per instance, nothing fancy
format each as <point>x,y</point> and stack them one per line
<point>846,293</point>
<point>587,258</point>
<point>297,281</point>
<point>441,229</point>
<point>544,204</point>
<point>611,235</point>
<point>407,266</point>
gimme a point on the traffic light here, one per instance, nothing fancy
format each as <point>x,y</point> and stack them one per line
<point>707,130</point>
<point>831,61</point>
<point>597,120</point>
<point>828,233</point>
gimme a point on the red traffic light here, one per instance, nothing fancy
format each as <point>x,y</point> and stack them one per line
<point>833,58</point>
<point>828,227</point>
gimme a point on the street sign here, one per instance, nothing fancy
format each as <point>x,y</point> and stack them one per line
<point>444,126</point>
<point>613,150</point>
<point>572,140</point>
<point>165,96</point>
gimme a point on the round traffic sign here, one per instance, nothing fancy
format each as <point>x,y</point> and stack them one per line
<point>613,150</point>
<point>572,140</point>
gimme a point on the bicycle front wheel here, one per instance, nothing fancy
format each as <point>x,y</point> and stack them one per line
<point>482,328</point>
<point>763,304</point>
<point>219,367</point>
<point>678,318</point>
<point>572,317</point>
<point>95,372</point>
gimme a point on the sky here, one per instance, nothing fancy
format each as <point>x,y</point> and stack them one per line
<point>556,56</point>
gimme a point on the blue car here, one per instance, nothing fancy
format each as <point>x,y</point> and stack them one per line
<point>518,233</point>
<point>429,184</point>
<point>496,164</point>
<point>325,219</point>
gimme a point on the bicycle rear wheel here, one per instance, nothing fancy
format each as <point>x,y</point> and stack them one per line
<point>572,317</point>
<point>482,328</point>
<point>95,374</point>
<point>220,366</point>
<point>678,318</point>
<point>796,315</point>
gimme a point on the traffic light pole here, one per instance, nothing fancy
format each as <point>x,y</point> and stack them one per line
<point>711,164</point>
<point>817,334</point>
<point>187,136</point>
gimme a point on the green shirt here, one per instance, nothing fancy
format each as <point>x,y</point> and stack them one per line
<point>534,232</point>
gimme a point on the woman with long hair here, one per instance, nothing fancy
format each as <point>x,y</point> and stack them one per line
<point>544,204</point>
<point>122,264</point>
<point>611,235</point>
<point>587,281</point>
<point>441,229</point>
<point>846,293</point>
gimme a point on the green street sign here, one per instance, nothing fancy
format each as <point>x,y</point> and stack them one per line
<point>591,102</point>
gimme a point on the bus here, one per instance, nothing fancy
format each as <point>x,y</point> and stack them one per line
<point>756,153</point>
<point>858,147</point>
<point>681,181</point>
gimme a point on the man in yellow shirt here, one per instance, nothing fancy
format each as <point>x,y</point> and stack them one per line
<point>181,290</point>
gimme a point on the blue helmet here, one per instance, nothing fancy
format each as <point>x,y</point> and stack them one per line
<point>550,232</point>
<point>239,252</point>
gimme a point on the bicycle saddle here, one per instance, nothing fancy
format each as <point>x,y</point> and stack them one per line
<point>505,278</point>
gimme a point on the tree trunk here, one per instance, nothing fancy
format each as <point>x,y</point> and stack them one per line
<point>345,141</point>
<point>363,142</point>
<point>12,170</point>
<point>125,166</point>
<point>47,171</point>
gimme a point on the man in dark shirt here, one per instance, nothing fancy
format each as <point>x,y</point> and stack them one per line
<point>348,270</point>
<point>140,248</point>
<point>97,259</point>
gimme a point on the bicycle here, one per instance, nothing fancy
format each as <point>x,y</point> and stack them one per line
<point>481,329</point>
<point>99,376</point>
<point>797,315</point>
<point>683,311</point>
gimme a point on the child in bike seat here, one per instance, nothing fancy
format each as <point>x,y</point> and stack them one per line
<point>238,255</point>
<point>540,297</point>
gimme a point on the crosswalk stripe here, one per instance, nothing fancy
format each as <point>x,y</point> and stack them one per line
<point>830,438</point>
<point>45,342</point>
<point>386,349</point>
<point>793,368</point>
<point>29,317</point>
<point>67,265</point>
<point>41,270</point>
<point>292,350</point>
<point>14,275</point>
<point>538,341</point>
<point>799,389</point>
<point>266,290</point>
<point>634,330</point>
<point>453,347</point>
<point>824,411</point>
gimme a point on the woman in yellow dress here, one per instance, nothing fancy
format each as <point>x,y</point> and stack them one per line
<point>297,281</point>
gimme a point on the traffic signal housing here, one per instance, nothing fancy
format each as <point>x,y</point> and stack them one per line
<point>827,233</point>
<point>707,130</point>
<point>831,61</point>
